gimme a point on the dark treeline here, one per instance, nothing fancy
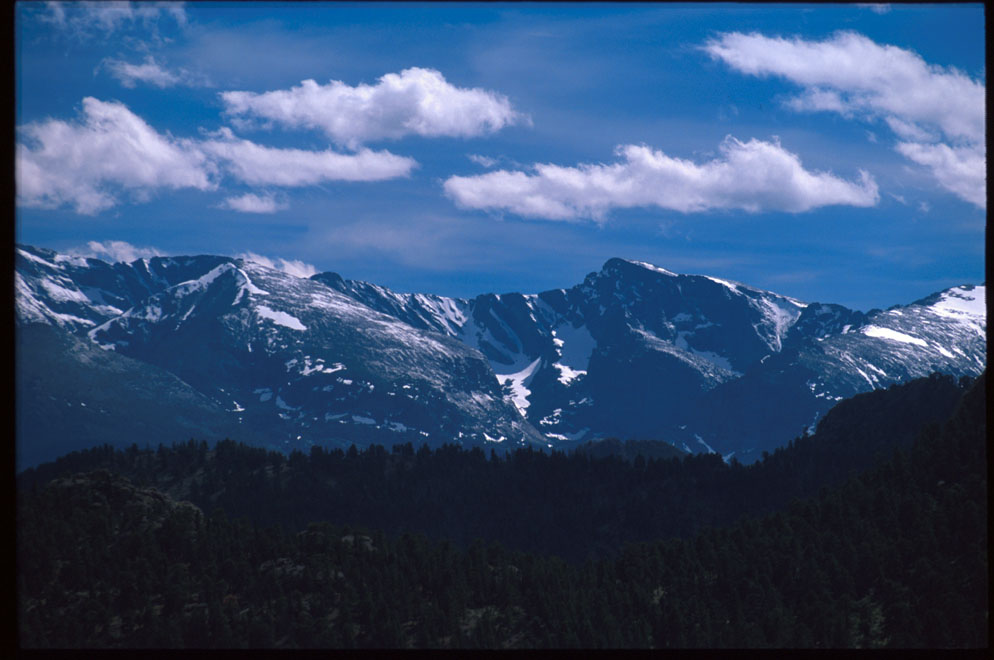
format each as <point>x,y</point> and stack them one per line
<point>895,556</point>
<point>573,506</point>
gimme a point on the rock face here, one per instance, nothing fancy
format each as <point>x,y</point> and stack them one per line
<point>290,360</point>
<point>634,351</point>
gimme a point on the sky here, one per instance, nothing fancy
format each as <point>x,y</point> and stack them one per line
<point>833,153</point>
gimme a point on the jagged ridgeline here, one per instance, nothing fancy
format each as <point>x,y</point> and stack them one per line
<point>895,556</point>
<point>633,352</point>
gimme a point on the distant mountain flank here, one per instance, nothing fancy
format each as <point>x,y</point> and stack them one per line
<point>634,352</point>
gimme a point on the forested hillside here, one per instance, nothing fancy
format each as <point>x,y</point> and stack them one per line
<point>575,506</point>
<point>896,556</point>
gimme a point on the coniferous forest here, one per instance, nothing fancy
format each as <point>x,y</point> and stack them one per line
<point>870,533</point>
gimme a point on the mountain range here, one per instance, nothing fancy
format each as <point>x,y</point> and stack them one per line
<point>213,346</point>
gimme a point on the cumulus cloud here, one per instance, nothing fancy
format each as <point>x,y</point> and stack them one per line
<point>152,73</point>
<point>938,113</point>
<point>289,266</point>
<point>86,163</point>
<point>255,164</point>
<point>89,19</point>
<point>252,203</point>
<point>413,102</point>
<point>752,176</point>
<point>115,251</point>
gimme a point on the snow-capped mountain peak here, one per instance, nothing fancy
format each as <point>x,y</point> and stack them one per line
<point>632,351</point>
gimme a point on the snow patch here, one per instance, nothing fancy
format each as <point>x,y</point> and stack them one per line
<point>655,269</point>
<point>892,335</point>
<point>724,283</point>
<point>959,301</point>
<point>567,375</point>
<point>247,286</point>
<point>705,445</point>
<point>280,318</point>
<point>879,371</point>
<point>519,383</point>
<point>36,259</point>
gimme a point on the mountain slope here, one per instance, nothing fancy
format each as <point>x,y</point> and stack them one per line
<point>310,365</point>
<point>71,395</point>
<point>634,351</point>
<point>640,352</point>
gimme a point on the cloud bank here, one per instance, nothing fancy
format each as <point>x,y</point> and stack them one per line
<point>937,113</point>
<point>413,102</point>
<point>752,176</point>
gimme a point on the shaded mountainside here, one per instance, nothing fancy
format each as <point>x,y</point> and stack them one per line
<point>577,506</point>
<point>293,360</point>
<point>71,394</point>
<point>634,352</point>
<point>894,557</point>
<point>638,352</point>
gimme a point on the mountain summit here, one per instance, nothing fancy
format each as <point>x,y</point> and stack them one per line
<point>634,351</point>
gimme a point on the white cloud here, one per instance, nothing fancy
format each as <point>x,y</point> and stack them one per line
<point>849,74</point>
<point>252,203</point>
<point>752,176</point>
<point>415,101</point>
<point>148,72</point>
<point>89,19</point>
<point>961,170</point>
<point>876,8</point>
<point>289,266</point>
<point>259,165</point>
<point>115,251</point>
<point>482,161</point>
<point>85,163</point>
<point>153,73</point>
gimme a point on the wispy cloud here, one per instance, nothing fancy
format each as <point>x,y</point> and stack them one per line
<point>752,176</point>
<point>152,73</point>
<point>92,19</point>
<point>255,164</point>
<point>115,251</point>
<point>252,203</point>
<point>482,161</point>
<point>289,266</point>
<point>413,102</point>
<point>937,113</point>
<point>876,8</point>
<point>85,163</point>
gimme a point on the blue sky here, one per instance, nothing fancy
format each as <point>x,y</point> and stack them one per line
<point>831,153</point>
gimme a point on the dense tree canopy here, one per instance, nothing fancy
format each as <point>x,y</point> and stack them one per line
<point>895,555</point>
